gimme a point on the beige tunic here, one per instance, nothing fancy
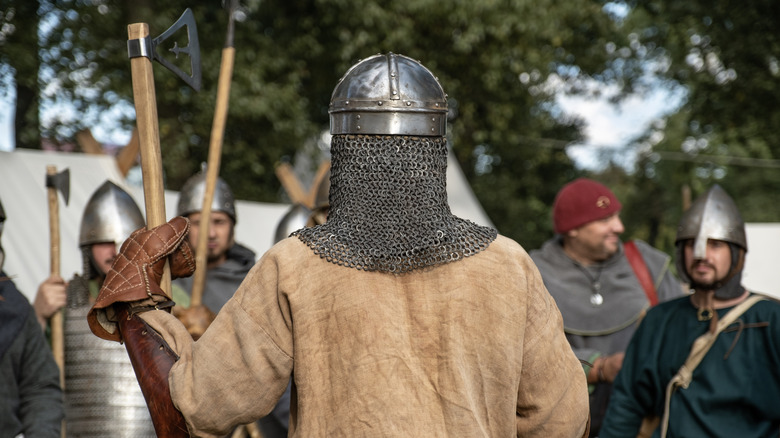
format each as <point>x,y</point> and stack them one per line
<point>473,348</point>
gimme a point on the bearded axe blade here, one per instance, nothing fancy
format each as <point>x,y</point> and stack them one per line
<point>149,48</point>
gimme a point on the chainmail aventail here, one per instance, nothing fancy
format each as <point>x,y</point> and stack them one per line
<point>388,207</point>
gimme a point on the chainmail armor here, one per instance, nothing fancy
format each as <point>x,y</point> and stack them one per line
<point>388,207</point>
<point>102,397</point>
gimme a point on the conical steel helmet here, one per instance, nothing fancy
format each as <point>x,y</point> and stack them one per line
<point>111,215</point>
<point>191,197</point>
<point>388,95</point>
<point>295,219</point>
<point>713,215</point>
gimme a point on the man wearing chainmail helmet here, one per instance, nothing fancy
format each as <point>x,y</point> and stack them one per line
<point>706,364</point>
<point>109,217</point>
<point>394,317</point>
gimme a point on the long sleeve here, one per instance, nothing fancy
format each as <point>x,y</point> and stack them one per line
<point>634,391</point>
<point>40,396</point>
<point>238,361</point>
<point>553,397</point>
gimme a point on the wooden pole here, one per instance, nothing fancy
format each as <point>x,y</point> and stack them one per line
<point>149,139</point>
<point>212,173</point>
<point>56,323</point>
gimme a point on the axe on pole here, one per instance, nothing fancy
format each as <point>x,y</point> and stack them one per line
<point>141,49</point>
<point>215,154</point>
<point>56,182</point>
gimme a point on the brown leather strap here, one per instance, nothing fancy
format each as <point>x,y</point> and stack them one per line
<point>152,359</point>
<point>640,269</point>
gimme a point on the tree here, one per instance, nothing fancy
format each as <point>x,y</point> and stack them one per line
<point>16,42</point>
<point>496,59</point>
<point>725,57</point>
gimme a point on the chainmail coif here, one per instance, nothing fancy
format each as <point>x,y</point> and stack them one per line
<point>388,207</point>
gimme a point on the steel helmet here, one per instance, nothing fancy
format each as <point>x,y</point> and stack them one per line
<point>388,94</point>
<point>295,219</point>
<point>713,215</point>
<point>191,197</point>
<point>111,215</point>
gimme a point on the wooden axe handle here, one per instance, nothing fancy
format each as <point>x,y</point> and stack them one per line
<point>149,138</point>
<point>212,173</point>
<point>56,322</point>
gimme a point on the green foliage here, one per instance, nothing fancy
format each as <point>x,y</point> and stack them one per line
<point>493,57</point>
<point>725,56</point>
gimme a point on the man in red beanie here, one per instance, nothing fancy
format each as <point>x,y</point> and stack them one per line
<point>602,286</point>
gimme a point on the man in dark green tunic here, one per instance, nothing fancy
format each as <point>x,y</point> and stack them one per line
<point>733,390</point>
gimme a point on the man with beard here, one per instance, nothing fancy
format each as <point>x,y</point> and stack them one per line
<point>707,364</point>
<point>602,286</point>
<point>227,262</point>
<point>394,317</point>
<point>109,217</point>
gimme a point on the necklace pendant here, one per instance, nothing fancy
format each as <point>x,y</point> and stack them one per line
<point>596,299</point>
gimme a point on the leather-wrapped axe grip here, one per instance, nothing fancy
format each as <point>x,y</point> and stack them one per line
<point>152,360</point>
<point>137,269</point>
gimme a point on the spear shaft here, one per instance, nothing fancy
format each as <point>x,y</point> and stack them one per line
<point>214,158</point>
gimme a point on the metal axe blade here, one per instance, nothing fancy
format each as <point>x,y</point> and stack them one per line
<point>148,48</point>
<point>61,182</point>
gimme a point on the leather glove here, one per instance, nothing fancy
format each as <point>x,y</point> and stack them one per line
<point>136,272</point>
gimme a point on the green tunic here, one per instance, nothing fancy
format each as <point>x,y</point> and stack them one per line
<point>734,389</point>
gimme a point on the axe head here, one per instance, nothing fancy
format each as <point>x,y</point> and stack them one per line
<point>60,182</point>
<point>191,50</point>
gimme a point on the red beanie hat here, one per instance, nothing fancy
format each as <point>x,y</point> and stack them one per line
<point>581,201</point>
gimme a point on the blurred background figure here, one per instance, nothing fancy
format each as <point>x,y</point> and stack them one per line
<point>30,394</point>
<point>602,286</point>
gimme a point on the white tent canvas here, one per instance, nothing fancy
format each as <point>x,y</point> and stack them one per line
<point>24,197</point>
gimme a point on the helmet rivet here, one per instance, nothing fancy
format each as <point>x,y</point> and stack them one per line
<point>358,127</point>
<point>395,92</point>
<point>380,103</point>
<point>408,103</point>
<point>358,116</point>
<point>346,102</point>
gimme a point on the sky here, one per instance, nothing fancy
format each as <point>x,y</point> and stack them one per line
<point>6,125</point>
<point>614,126</point>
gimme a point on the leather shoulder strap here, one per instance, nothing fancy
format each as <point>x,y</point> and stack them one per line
<point>640,270</point>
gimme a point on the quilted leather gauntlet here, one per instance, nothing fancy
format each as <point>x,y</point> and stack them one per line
<point>136,272</point>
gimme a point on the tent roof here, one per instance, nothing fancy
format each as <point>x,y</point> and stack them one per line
<point>26,234</point>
